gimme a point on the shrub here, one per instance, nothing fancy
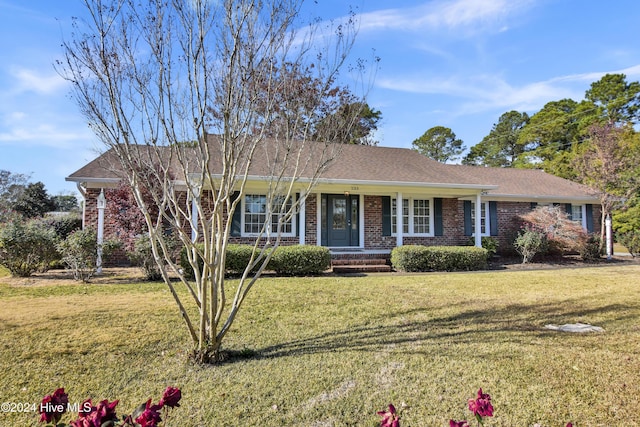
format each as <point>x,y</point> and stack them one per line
<point>409,258</point>
<point>26,247</point>
<point>630,240</point>
<point>530,242</point>
<point>591,248</point>
<point>562,234</point>
<point>62,225</point>
<point>142,255</point>
<point>300,260</point>
<point>80,253</point>
<point>491,244</point>
<point>296,260</point>
<point>438,258</point>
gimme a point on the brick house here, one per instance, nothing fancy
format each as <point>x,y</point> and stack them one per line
<point>353,206</point>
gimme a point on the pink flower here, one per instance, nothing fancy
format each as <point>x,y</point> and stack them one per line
<point>389,417</point>
<point>53,406</point>
<point>481,406</point>
<point>458,423</point>
<point>171,397</point>
<point>150,417</point>
<point>569,425</point>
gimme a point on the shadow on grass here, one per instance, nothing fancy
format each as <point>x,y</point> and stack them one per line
<point>512,324</point>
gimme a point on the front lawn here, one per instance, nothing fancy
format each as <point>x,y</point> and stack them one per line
<point>331,351</point>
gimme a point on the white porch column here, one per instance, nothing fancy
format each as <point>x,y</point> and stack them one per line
<point>478,221</point>
<point>302,217</point>
<point>102,204</point>
<point>399,225</point>
<point>608,237</point>
<point>194,214</point>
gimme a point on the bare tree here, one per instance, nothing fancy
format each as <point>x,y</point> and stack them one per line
<point>608,163</point>
<point>194,100</point>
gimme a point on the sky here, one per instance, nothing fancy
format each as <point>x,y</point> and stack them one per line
<point>454,63</point>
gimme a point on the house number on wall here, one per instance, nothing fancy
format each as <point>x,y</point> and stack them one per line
<point>354,188</point>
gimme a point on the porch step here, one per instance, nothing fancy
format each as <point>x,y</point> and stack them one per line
<point>355,265</point>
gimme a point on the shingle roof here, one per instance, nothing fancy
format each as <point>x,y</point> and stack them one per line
<point>389,166</point>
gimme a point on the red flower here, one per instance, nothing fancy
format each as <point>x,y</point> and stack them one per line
<point>53,406</point>
<point>171,397</point>
<point>458,423</point>
<point>95,416</point>
<point>151,415</point>
<point>389,417</point>
<point>86,408</point>
<point>481,407</point>
<point>569,425</point>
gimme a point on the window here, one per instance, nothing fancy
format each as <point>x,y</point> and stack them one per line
<point>576,214</point>
<point>484,219</point>
<point>255,211</point>
<point>416,217</point>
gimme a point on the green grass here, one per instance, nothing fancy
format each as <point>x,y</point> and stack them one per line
<point>331,351</point>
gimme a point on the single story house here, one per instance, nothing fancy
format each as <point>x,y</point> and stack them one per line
<point>354,206</point>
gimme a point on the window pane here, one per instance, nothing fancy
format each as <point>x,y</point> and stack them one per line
<point>576,213</point>
<point>421,212</point>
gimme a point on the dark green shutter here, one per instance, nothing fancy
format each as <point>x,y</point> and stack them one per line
<point>324,221</point>
<point>236,221</point>
<point>493,218</point>
<point>468,229</point>
<point>386,216</point>
<point>297,215</point>
<point>437,217</point>
<point>589,209</point>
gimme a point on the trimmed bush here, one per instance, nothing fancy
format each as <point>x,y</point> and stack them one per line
<point>27,247</point>
<point>300,260</point>
<point>287,260</point>
<point>409,258</point>
<point>438,258</point>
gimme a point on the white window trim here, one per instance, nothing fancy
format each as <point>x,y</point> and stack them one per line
<point>411,218</point>
<point>487,219</point>
<point>269,230</point>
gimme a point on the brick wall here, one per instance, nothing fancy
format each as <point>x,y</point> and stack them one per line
<point>453,224</point>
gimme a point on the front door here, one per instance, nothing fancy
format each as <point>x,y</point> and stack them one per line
<point>342,220</point>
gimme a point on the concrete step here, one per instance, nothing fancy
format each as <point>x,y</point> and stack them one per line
<point>361,268</point>
<point>359,261</point>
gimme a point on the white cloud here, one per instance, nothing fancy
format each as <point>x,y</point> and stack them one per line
<point>43,135</point>
<point>29,80</point>
<point>448,14</point>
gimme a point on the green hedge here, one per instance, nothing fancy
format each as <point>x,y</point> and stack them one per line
<point>298,260</point>
<point>301,260</point>
<point>438,258</point>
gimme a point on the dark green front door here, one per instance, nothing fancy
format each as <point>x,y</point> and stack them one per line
<point>341,221</point>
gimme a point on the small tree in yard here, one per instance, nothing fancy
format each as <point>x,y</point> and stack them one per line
<point>188,97</point>
<point>561,234</point>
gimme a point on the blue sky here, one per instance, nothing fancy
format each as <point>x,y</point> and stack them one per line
<point>454,63</point>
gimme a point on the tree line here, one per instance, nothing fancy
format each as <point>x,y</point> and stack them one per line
<point>24,199</point>
<point>593,142</point>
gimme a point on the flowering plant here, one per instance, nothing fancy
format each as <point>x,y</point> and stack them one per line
<point>480,407</point>
<point>54,405</point>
